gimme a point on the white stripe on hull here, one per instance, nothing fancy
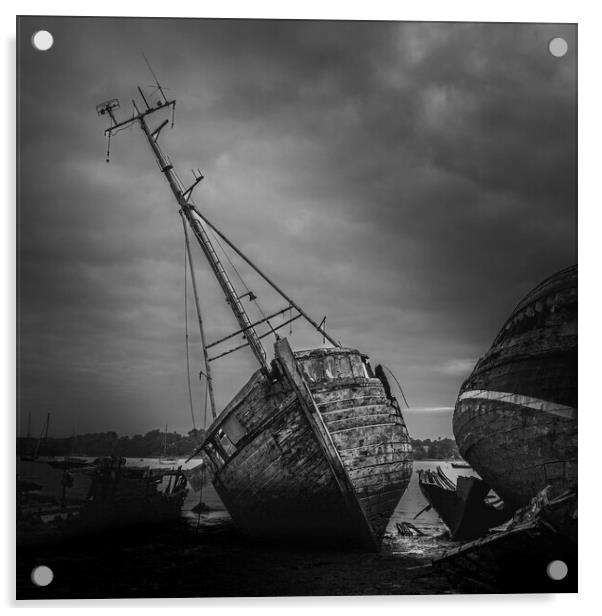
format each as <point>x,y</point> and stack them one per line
<point>532,403</point>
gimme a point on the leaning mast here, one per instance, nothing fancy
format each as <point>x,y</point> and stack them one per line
<point>182,197</point>
<point>196,220</point>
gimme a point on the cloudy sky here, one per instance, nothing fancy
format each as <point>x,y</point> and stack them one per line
<point>410,181</point>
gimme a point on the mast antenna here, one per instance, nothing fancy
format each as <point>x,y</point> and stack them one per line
<point>159,87</point>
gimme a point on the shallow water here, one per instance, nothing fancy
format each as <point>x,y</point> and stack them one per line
<point>413,500</point>
<point>434,540</point>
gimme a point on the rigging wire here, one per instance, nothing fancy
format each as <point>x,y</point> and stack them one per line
<point>398,384</point>
<point>258,305</point>
<point>219,243</point>
<point>206,405</point>
<point>207,372</point>
<point>113,133</point>
<point>187,341</point>
<point>274,286</point>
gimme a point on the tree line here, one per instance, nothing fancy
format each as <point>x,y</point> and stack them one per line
<point>152,444</point>
<point>439,449</point>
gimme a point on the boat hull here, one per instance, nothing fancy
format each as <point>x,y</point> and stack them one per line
<point>280,476</point>
<point>461,507</point>
<point>515,419</point>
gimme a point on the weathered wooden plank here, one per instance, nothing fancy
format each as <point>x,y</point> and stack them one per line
<point>401,464</point>
<point>383,479</point>
<point>330,395</point>
<point>348,404</point>
<point>366,437</point>
<point>377,502</point>
<point>393,484</point>
<point>293,477</point>
<point>289,365</point>
<point>372,425</point>
<point>375,449</point>
<point>360,419</point>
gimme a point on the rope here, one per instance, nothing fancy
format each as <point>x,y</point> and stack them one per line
<point>206,405</point>
<point>187,342</point>
<point>398,384</point>
<point>200,318</point>
<point>111,134</point>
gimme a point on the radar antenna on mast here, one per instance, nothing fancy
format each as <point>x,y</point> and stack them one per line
<point>108,108</point>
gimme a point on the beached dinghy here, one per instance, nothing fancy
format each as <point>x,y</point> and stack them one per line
<point>468,507</point>
<point>313,446</point>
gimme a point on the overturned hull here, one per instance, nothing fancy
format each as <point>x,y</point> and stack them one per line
<point>317,451</point>
<point>515,419</point>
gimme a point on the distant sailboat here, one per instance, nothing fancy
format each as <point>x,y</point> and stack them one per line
<point>75,459</point>
<point>164,459</point>
<point>43,437</point>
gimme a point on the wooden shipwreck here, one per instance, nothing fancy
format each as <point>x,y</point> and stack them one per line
<point>515,419</point>
<point>313,446</point>
<point>319,451</point>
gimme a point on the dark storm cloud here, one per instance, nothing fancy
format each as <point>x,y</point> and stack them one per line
<point>411,181</point>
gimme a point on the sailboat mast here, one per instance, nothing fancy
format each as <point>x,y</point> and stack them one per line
<point>203,239</point>
<point>43,436</point>
<point>200,225</point>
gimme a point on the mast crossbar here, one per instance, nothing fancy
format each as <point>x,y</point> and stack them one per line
<point>240,331</point>
<point>242,346</point>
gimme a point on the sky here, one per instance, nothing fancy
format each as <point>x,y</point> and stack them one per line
<point>410,181</point>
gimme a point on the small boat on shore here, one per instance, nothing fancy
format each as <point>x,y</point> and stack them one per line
<point>460,465</point>
<point>68,462</point>
<point>118,497</point>
<point>164,458</point>
<point>35,454</point>
<point>467,508</point>
<point>515,419</point>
